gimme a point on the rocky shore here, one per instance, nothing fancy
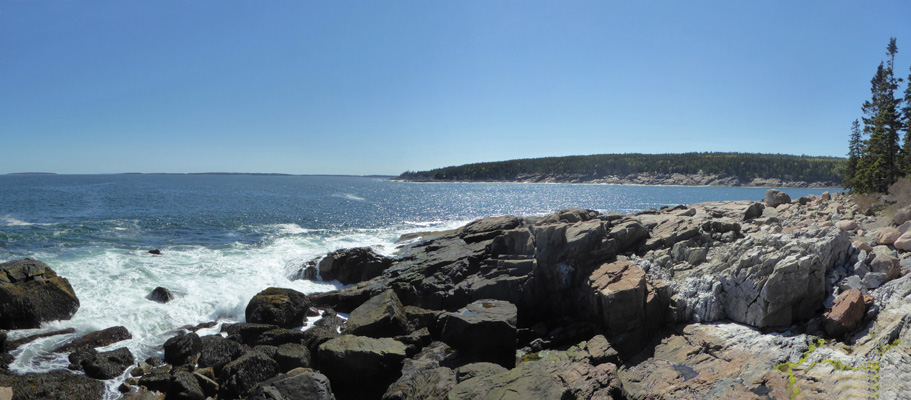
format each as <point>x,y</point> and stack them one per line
<point>647,178</point>
<point>781,298</point>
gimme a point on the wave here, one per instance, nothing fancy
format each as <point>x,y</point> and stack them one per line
<point>348,196</point>
<point>8,220</point>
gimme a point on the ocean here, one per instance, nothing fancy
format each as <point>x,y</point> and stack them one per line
<point>224,238</point>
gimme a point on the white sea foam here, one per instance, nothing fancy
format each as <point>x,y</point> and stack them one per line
<point>8,220</point>
<point>210,284</point>
<point>348,196</point>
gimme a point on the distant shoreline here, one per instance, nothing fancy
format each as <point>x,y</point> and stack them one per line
<point>210,173</point>
<point>647,179</point>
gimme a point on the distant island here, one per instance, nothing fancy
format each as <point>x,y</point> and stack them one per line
<point>691,169</point>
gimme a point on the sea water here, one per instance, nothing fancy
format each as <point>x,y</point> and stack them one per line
<point>224,238</point>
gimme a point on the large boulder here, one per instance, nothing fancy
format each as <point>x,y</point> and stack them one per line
<point>847,312</point>
<point>903,242</point>
<point>626,304</point>
<point>182,349</point>
<point>59,384</point>
<point>286,308</point>
<point>108,364</point>
<point>353,265</point>
<point>381,316</point>
<point>484,330</point>
<point>185,385</point>
<point>887,235</point>
<point>360,367</point>
<point>292,355</point>
<point>296,386</point>
<point>753,211</point>
<point>95,339</point>
<point>775,198</point>
<point>216,352</point>
<point>32,293</point>
<point>160,295</point>
<point>240,376</point>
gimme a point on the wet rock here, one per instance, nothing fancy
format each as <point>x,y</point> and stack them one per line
<point>327,328</point>
<point>185,386</point>
<point>290,356</point>
<point>156,380</point>
<point>100,338</point>
<point>14,344</point>
<point>240,376</point>
<point>216,352</point>
<point>246,333</point>
<point>353,265</point>
<point>484,330</point>
<point>32,293</point>
<point>108,364</point>
<point>300,386</point>
<point>160,295</point>
<point>286,308</point>
<point>156,252</point>
<point>278,337</point>
<point>775,198</point>
<point>58,384</point>
<point>847,312</point>
<point>360,367</point>
<point>381,316</point>
<point>182,349</point>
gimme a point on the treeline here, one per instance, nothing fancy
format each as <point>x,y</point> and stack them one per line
<point>745,166</point>
<point>876,159</point>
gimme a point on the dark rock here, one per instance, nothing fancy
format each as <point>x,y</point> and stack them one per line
<point>182,349</point>
<point>160,295</point>
<point>154,362</point>
<point>278,337</point>
<point>185,386</point>
<point>100,338</point>
<point>423,377</point>
<point>569,215</point>
<point>347,299</point>
<point>58,384</point>
<point>81,357</point>
<point>206,383</point>
<point>302,386</point>
<point>415,341</point>
<point>194,328</point>
<point>774,198</point>
<point>108,364</point>
<point>242,374</point>
<point>156,252</point>
<point>268,351</point>
<point>286,308</point>
<point>32,293</point>
<point>485,330</point>
<point>2,341</point>
<point>753,211</point>
<point>157,381</point>
<point>14,344</point>
<point>246,333</point>
<point>847,312</point>
<point>423,318</point>
<point>216,352</point>
<point>323,330</point>
<point>290,356</point>
<point>381,316</point>
<point>353,265</point>
<point>360,367</point>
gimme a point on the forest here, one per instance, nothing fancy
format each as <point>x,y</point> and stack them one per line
<point>741,165</point>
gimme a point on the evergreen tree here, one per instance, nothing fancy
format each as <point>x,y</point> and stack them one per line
<point>879,166</point>
<point>855,151</point>
<point>906,120</point>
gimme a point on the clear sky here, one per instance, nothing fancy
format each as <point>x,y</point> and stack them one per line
<point>371,87</point>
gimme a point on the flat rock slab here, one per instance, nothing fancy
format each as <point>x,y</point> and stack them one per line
<point>360,367</point>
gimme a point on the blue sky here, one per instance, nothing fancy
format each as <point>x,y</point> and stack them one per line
<point>313,87</point>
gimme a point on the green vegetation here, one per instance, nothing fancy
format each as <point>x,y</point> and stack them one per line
<point>745,166</point>
<point>875,159</point>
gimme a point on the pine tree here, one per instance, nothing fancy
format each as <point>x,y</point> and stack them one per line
<point>906,120</point>
<point>855,151</point>
<point>879,166</point>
